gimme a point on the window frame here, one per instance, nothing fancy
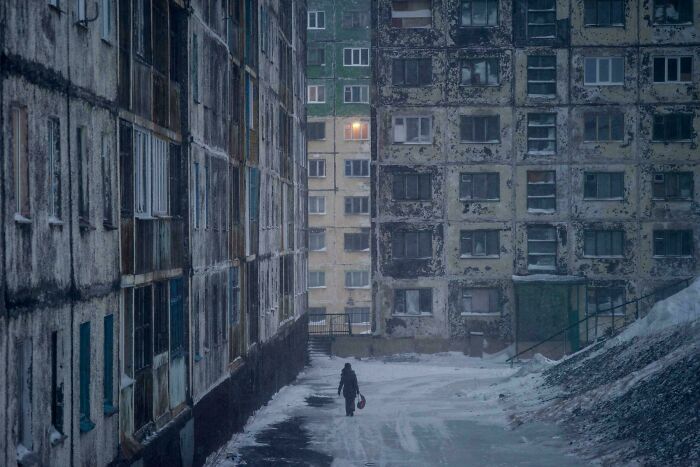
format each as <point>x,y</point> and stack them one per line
<point>352,276</point>
<point>420,188</point>
<point>656,22</point>
<point>359,238</point>
<point>616,119</point>
<point>530,197</point>
<point>318,90</point>
<point>597,24</point>
<point>351,88</point>
<point>665,121</point>
<point>489,5</point>
<point>427,140</point>
<point>470,237</point>
<point>529,11</point>
<point>319,164</point>
<point>534,267</point>
<point>423,67</point>
<point>595,235</point>
<point>619,309</point>
<point>587,197</point>
<point>494,299</point>
<point>321,279</point>
<point>359,205</point>
<point>540,67</point>
<point>665,236</point>
<point>54,169</point>
<point>401,236</point>
<point>316,15</point>
<point>531,124</point>
<point>354,19</point>
<point>489,177</point>
<point>488,121</point>
<point>321,238</point>
<point>321,55</point>
<point>679,66</point>
<point>610,64</point>
<point>360,54</point>
<point>349,168</point>
<point>321,124</point>
<point>392,17</point>
<point>667,176</point>
<point>316,201</point>
<point>489,64</point>
<point>424,296</point>
<point>363,132</point>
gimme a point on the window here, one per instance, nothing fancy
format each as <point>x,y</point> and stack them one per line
<point>356,279</point>
<point>317,279</point>
<point>195,68</point>
<point>356,94</point>
<point>356,205</point>
<point>317,204</point>
<point>317,168</point>
<point>409,245</point>
<point>604,13</point>
<point>601,71</point>
<point>480,301</point>
<point>411,187</point>
<point>541,191</point>
<point>316,131</point>
<point>541,248</point>
<point>142,169</point>
<point>673,243</point>
<point>358,241</point>
<point>55,3</point>
<point>316,94</point>
<point>234,316</point>
<point>413,130</point>
<point>356,57</point>
<point>673,69</point>
<point>673,127</point>
<point>21,160</point>
<point>85,423</point>
<point>317,20</point>
<point>478,13</point>
<point>603,242</point>
<point>357,131</point>
<point>317,239</point>
<point>479,243</point>
<point>81,10</point>
<point>161,176</point>
<point>316,56</point>
<point>317,314</point>
<point>541,133</point>
<point>54,160</point>
<point>603,126</point>
<point>541,18</point>
<point>480,72</point>
<point>160,316</point>
<point>56,383</point>
<point>24,392</point>
<point>108,365</point>
<point>195,196</point>
<point>106,20</point>
<point>413,301</point>
<point>605,300</point>
<point>604,185</point>
<point>357,168</point>
<point>106,168</point>
<point>354,20</point>
<point>673,186</point>
<point>479,186</point>
<point>480,129</point>
<point>83,175</point>
<point>358,314</point>
<point>411,13</point>
<point>542,75</point>
<point>412,71</point>
<point>673,11</point>
<point>207,187</point>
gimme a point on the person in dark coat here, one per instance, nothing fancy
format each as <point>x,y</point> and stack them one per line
<point>348,383</point>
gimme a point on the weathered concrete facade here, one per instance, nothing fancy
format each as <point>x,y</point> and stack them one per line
<point>527,117</point>
<point>339,169</point>
<point>153,258</point>
<point>60,268</point>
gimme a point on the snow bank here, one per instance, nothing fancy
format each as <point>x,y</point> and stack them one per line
<point>535,365</point>
<point>678,309</point>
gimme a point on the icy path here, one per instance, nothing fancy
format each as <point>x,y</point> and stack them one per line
<point>426,410</point>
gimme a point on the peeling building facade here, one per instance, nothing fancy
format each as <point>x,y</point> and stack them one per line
<point>153,200</point>
<point>554,140</point>
<point>339,73</point>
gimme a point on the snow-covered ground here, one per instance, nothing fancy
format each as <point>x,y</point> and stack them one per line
<point>422,410</point>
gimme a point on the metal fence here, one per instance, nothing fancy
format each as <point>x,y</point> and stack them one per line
<point>339,324</point>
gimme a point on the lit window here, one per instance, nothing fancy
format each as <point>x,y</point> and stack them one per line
<point>356,131</point>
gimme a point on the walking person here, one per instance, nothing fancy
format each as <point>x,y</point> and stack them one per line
<point>348,383</point>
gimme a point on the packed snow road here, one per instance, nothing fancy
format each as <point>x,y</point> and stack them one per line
<point>422,410</point>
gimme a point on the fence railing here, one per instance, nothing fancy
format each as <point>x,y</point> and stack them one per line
<point>339,324</point>
<point>613,319</point>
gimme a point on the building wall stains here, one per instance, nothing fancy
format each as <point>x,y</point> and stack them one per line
<point>153,228</point>
<point>485,108</point>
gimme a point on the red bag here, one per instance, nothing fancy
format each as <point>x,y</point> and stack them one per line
<point>361,402</point>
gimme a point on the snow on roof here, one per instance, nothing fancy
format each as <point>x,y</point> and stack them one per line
<point>681,308</point>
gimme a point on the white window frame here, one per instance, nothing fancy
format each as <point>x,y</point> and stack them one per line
<point>350,133</point>
<point>400,132</point>
<point>678,69</point>
<point>322,234</point>
<point>352,282</point>
<point>161,176</point>
<point>142,173</point>
<point>355,53</point>
<point>351,172</point>
<point>317,90</point>
<point>318,163</point>
<point>315,14</point>
<point>608,81</point>
<point>317,205</point>
<point>364,94</point>
<point>321,279</point>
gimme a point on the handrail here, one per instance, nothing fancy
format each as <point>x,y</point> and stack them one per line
<point>587,317</point>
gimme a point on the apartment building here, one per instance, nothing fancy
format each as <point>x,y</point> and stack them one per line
<point>154,215</point>
<point>534,161</point>
<point>338,89</point>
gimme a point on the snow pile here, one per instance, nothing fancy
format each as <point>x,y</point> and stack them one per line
<point>633,399</point>
<point>536,364</point>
